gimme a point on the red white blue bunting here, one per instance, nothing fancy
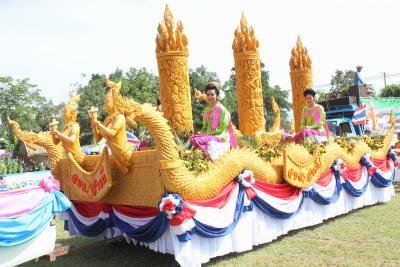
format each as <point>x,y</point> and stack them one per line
<point>217,217</point>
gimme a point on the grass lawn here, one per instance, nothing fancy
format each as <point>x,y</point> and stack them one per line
<point>366,237</point>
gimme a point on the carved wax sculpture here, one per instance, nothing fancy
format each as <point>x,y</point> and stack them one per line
<point>172,58</point>
<point>248,80</point>
<point>69,136</point>
<point>301,78</point>
<point>113,129</point>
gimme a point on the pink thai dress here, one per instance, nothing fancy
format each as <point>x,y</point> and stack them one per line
<point>217,127</point>
<point>313,123</point>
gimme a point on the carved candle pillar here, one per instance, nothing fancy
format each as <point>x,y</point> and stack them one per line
<point>248,80</point>
<point>172,59</point>
<point>301,78</point>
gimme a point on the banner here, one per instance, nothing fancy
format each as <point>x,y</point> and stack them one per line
<point>382,106</point>
<point>89,186</point>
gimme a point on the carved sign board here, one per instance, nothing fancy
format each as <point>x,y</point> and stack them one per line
<point>302,175</point>
<point>90,186</point>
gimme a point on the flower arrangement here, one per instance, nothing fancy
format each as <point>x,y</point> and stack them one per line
<point>268,152</point>
<point>374,142</point>
<point>146,141</point>
<point>346,143</point>
<point>195,160</point>
<point>311,145</point>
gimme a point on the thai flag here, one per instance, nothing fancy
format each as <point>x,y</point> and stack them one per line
<point>131,138</point>
<point>360,115</point>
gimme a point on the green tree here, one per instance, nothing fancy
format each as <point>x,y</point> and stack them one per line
<point>392,90</point>
<point>280,95</point>
<point>342,80</point>
<point>23,102</point>
<point>91,94</point>
<point>142,85</point>
<point>199,78</point>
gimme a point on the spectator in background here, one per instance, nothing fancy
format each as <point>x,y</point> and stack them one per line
<point>357,78</point>
<point>368,127</point>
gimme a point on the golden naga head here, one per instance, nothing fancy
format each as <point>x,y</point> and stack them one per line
<point>114,102</point>
<point>201,96</point>
<point>71,109</point>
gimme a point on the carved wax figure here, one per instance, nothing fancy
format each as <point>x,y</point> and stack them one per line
<point>113,130</point>
<point>70,133</point>
<point>217,126</point>
<point>313,121</point>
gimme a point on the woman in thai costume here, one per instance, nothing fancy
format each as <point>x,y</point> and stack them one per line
<point>313,121</point>
<point>69,136</point>
<point>217,132</point>
<point>113,129</point>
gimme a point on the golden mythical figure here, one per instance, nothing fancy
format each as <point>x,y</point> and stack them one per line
<point>69,136</point>
<point>113,129</point>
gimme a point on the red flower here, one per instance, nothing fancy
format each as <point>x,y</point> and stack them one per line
<point>342,165</point>
<point>248,178</point>
<point>168,205</point>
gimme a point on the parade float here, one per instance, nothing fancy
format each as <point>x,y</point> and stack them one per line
<point>242,199</point>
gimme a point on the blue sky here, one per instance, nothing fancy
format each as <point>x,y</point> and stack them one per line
<point>53,42</point>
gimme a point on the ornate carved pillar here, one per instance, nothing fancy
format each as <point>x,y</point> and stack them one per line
<point>172,59</point>
<point>301,78</point>
<point>248,80</point>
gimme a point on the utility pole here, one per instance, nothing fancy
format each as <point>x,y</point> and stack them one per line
<point>384,78</point>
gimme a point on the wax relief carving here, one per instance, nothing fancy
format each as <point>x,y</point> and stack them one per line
<point>172,58</point>
<point>301,78</point>
<point>248,80</point>
<point>89,186</point>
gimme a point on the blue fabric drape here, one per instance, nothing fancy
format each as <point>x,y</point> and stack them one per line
<point>94,229</point>
<point>22,228</point>
<point>314,195</point>
<point>148,232</point>
<point>269,210</point>
<point>353,191</point>
<point>380,181</point>
<point>212,232</point>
